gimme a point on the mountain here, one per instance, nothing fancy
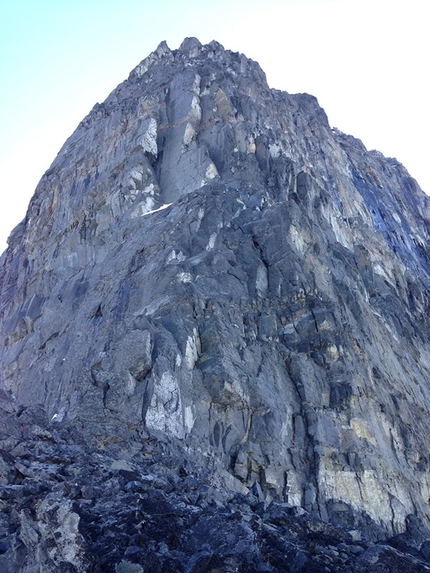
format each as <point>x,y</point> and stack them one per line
<point>215,329</point>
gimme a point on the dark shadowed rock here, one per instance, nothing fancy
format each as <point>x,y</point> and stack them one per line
<point>215,336</point>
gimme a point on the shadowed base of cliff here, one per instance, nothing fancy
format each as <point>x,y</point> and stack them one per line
<point>70,506</point>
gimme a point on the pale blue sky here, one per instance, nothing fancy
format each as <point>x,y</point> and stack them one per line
<point>366,62</point>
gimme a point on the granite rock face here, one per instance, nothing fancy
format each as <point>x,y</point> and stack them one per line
<point>209,266</point>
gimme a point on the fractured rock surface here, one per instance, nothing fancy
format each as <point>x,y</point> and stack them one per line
<point>70,508</point>
<point>210,267</point>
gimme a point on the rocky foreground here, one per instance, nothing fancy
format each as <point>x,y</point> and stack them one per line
<point>65,507</point>
<point>215,330</point>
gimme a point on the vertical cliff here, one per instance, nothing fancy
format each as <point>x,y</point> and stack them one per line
<point>208,264</point>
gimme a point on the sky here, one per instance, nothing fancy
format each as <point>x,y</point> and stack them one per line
<point>366,61</point>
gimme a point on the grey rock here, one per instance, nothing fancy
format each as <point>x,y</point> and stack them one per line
<point>214,287</point>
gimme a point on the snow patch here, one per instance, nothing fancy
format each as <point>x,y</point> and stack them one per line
<point>159,209</point>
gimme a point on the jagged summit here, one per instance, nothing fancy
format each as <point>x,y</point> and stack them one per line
<point>212,284</point>
<point>192,51</point>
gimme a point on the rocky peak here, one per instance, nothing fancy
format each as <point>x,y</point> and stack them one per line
<point>213,286</point>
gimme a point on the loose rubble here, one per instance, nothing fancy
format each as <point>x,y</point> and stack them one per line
<point>65,507</point>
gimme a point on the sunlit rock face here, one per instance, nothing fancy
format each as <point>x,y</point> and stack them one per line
<point>208,263</point>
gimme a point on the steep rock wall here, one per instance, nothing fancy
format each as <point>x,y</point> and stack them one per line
<point>207,261</point>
